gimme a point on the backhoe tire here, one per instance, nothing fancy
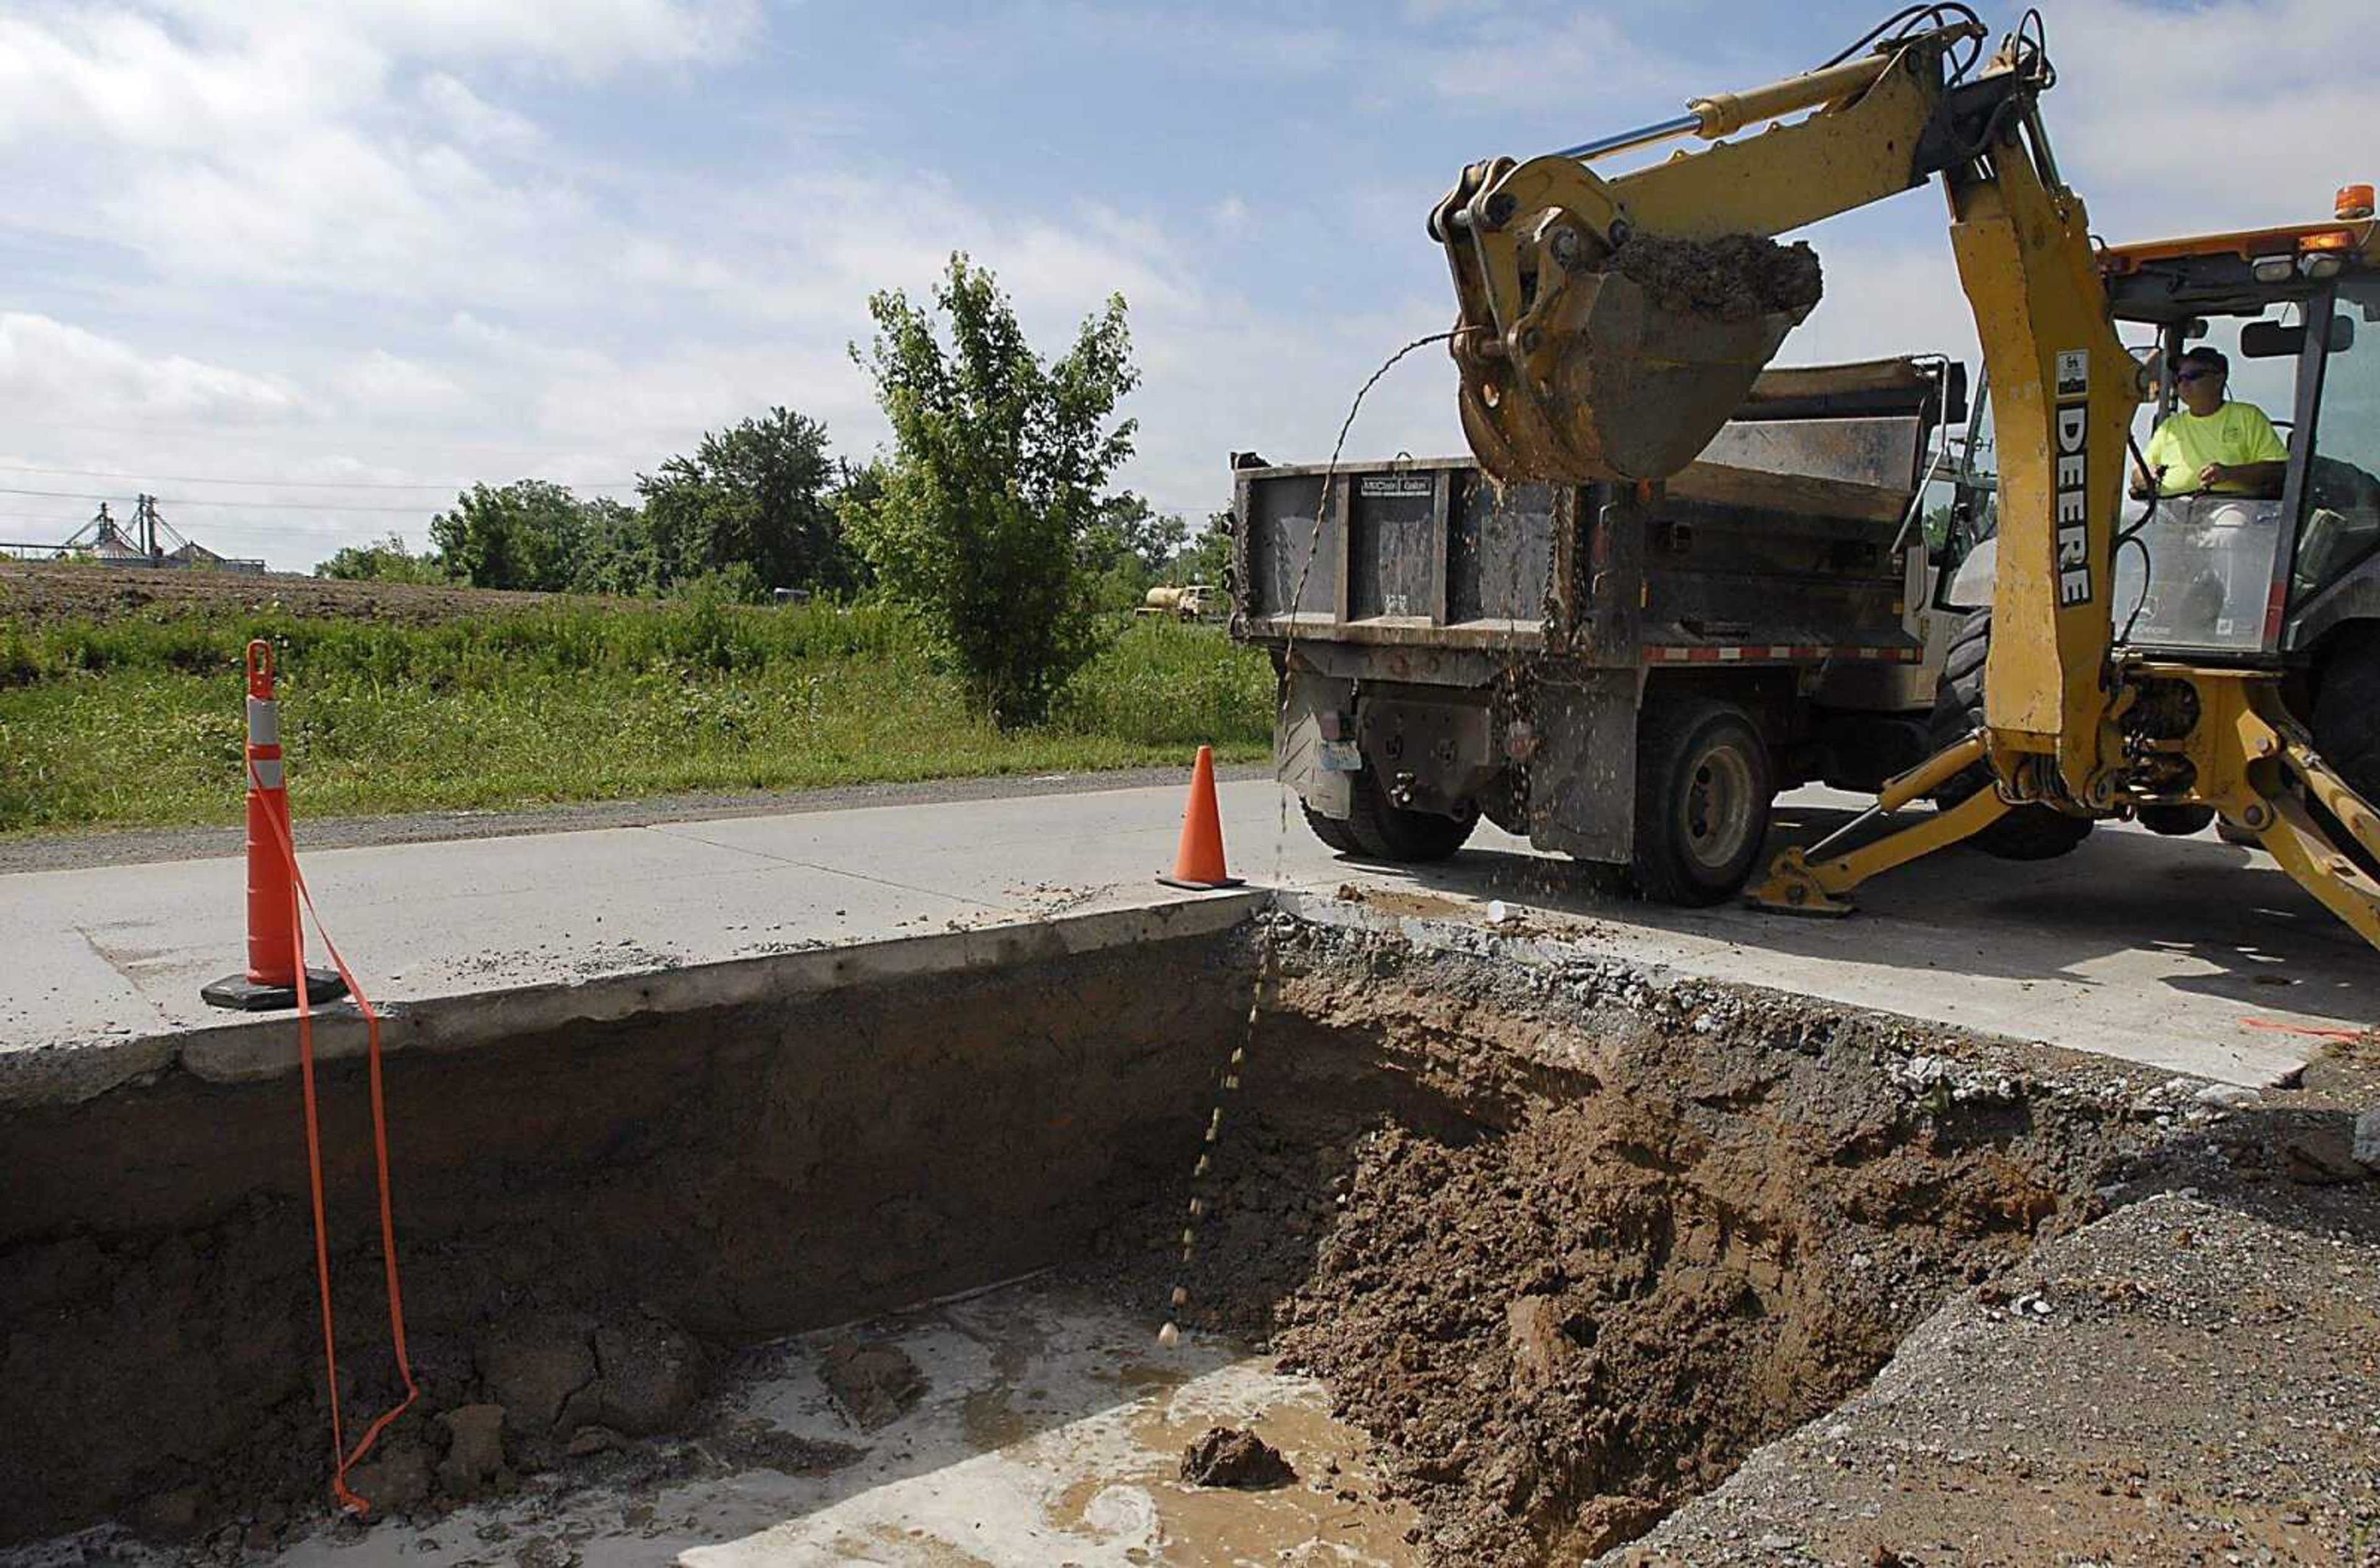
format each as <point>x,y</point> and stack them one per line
<point>1337,834</point>
<point>2177,822</point>
<point>2346,712</point>
<point>2346,729</point>
<point>2026,833</point>
<point>1703,787</point>
<point>1385,831</point>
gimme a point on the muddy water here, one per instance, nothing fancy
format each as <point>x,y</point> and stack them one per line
<point>1051,1432</point>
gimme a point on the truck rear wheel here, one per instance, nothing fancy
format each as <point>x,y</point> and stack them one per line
<point>1704,785</point>
<point>2027,832</point>
<point>1386,831</point>
<point>1337,834</point>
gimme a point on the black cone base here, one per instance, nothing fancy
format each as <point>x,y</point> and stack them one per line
<point>244,995</point>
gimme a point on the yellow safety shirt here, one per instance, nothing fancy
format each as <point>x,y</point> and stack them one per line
<point>2234,433</point>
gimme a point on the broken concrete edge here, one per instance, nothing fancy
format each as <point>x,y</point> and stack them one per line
<point>1481,938</point>
<point>2255,1074</point>
<point>254,1049</point>
<point>260,1048</point>
<point>1476,938</point>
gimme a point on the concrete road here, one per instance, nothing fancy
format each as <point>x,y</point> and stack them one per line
<point>2191,954</point>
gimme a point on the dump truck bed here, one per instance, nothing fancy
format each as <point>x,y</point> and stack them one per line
<point>1783,543</point>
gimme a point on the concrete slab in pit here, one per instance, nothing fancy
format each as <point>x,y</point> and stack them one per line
<point>2188,954</point>
<point>1050,1430</point>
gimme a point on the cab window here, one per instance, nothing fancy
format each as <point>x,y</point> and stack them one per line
<point>2342,479</point>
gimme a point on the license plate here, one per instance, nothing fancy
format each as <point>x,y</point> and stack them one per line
<point>1341,757</point>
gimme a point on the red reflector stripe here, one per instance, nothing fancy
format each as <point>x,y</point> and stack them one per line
<point>1770,652</point>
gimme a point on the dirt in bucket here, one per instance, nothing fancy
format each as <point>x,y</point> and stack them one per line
<point>1736,277</point>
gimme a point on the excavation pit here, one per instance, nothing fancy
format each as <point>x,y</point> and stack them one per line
<point>1509,1251</point>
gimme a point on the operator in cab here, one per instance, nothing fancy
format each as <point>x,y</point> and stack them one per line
<point>2212,445</point>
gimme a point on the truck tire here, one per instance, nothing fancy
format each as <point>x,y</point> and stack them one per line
<point>1704,785</point>
<point>1337,834</point>
<point>1385,831</point>
<point>2028,832</point>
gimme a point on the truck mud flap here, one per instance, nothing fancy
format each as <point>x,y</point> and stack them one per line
<point>1583,777</point>
<point>1301,749</point>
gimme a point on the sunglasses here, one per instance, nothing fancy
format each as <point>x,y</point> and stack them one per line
<point>2195,375</point>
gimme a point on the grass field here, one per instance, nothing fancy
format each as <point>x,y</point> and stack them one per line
<point>136,718</point>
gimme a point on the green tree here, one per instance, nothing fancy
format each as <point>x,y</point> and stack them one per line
<point>384,560</point>
<point>1206,559</point>
<point>998,463</point>
<point>1125,546</point>
<point>1127,525</point>
<point>760,494</point>
<point>528,534</point>
<point>616,551</point>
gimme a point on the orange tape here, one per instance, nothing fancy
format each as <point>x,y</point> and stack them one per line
<point>342,1458</point>
<point>2278,1027</point>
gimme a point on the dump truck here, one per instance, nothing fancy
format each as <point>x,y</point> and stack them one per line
<point>1623,676</point>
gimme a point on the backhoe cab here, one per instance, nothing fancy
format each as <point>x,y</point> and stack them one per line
<point>2189,679</point>
<point>2279,578</point>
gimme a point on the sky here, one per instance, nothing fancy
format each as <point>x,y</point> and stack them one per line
<point>304,270</point>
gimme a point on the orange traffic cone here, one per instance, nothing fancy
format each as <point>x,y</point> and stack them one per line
<point>273,952</point>
<point>1198,860</point>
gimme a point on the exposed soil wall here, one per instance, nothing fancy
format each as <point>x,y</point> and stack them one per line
<point>585,1218</point>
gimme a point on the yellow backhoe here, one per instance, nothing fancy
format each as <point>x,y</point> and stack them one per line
<point>1608,326</point>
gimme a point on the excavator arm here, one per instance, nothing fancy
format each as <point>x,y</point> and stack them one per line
<point>1571,371</point>
<point>1609,327</point>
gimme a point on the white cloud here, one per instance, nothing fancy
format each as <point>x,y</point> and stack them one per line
<point>2177,121</point>
<point>1885,298</point>
<point>51,370</point>
<point>587,38</point>
<point>382,383</point>
<point>1484,73</point>
<point>473,119</point>
<point>115,78</point>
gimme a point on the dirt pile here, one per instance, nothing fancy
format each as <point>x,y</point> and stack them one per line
<point>1226,1456</point>
<point>1572,1244</point>
<point>1733,278</point>
<point>1565,1330</point>
<point>34,591</point>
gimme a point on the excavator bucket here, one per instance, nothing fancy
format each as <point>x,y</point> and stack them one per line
<point>1627,370</point>
<point>1641,387</point>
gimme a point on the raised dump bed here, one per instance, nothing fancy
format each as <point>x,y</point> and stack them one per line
<point>1539,1250</point>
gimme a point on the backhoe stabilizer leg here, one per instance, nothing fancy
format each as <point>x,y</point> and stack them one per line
<point>2305,846</point>
<point>1799,885</point>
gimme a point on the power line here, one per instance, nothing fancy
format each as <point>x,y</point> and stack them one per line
<point>282,484</point>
